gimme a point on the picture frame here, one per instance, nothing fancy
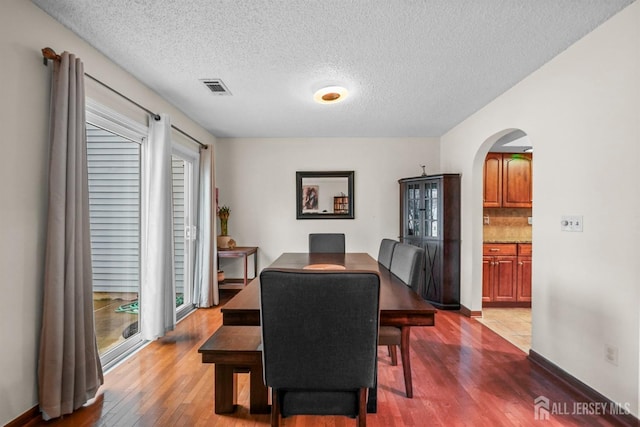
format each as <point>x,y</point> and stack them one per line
<point>325,195</point>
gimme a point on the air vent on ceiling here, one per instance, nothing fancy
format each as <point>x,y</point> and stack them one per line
<point>216,86</point>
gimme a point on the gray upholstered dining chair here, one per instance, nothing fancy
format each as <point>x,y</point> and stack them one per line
<point>407,264</point>
<point>326,243</point>
<point>319,337</point>
<point>385,253</point>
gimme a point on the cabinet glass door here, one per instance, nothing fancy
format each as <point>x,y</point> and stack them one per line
<point>413,223</point>
<point>430,218</point>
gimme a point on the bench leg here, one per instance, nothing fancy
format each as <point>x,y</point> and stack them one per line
<point>225,389</point>
<point>258,392</point>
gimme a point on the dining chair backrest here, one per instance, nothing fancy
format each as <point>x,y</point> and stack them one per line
<point>407,264</point>
<point>385,253</point>
<point>319,337</point>
<point>326,243</point>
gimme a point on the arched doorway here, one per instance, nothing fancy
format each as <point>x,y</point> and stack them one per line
<point>507,161</point>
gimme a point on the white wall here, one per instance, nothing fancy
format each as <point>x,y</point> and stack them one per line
<point>24,110</point>
<point>582,113</point>
<point>257,180</point>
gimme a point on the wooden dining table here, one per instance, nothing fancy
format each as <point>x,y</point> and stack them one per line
<point>399,305</point>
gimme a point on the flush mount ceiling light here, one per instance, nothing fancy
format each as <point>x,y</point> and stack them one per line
<point>330,95</point>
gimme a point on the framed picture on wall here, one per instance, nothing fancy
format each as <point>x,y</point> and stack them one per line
<point>324,195</point>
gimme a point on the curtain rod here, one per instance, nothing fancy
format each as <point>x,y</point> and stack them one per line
<point>50,54</point>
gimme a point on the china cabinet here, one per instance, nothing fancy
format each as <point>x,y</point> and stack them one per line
<point>430,218</point>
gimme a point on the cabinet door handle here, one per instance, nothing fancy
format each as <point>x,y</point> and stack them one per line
<point>520,263</point>
<point>494,249</point>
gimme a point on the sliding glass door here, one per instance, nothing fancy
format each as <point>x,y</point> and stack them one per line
<point>114,201</point>
<point>185,172</point>
<point>115,169</point>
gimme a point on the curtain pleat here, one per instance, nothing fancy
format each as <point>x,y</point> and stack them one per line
<point>206,277</point>
<point>69,369</point>
<point>157,307</point>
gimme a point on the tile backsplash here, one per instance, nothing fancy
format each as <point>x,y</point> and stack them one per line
<point>507,225</point>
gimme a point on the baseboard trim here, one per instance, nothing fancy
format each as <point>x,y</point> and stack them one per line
<point>470,313</point>
<point>25,418</point>
<point>499,304</point>
<point>587,393</point>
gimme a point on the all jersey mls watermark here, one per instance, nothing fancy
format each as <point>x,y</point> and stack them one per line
<point>543,408</point>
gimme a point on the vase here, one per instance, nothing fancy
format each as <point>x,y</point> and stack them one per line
<point>223,241</point>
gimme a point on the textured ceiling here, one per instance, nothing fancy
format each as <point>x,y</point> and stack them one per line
<point>414,68</point>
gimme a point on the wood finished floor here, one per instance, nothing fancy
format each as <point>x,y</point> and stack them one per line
<point>464,374</point>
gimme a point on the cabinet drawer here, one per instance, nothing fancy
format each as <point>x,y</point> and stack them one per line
<point>524,249</point>
<point>500,249</point>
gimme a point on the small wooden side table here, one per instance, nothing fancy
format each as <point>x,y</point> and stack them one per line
<point>240,252</point>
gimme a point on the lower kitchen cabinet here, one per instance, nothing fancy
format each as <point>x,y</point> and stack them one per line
<point>524,272</point>
<point>506,274</point>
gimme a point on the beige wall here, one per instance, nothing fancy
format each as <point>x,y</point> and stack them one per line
<point>24,85</point>
<point>257,179</point>
<point>582,114</point>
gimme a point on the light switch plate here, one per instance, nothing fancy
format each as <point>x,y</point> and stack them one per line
<point>571,223</point>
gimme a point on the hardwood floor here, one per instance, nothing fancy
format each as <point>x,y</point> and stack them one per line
<point>464,374</point>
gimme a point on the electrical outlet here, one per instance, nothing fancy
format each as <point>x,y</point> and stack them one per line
<point>611,354</point>
<point>571,223</point>
<point>485,220</point>
<point>530,220</point>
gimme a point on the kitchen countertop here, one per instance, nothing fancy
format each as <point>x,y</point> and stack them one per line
<point>507,241</point>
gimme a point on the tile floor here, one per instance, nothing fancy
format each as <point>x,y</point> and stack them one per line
<point>513,324</point>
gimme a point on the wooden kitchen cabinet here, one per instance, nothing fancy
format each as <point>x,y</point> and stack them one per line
<point>508,180</point>
<point>499,272</point>
<point>493,180</point>
<point>517,183</point>
<point>506,274</point>
<point>487,282</point>
<point>523,291</point>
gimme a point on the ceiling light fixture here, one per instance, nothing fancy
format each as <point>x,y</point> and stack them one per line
<point>330,95</point>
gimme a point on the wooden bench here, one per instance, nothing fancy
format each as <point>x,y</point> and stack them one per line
<point>236,349</point>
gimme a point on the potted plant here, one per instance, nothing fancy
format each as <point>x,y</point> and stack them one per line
<point>223,238</point>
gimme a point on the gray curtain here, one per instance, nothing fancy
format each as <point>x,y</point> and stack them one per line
<point>69,369</point>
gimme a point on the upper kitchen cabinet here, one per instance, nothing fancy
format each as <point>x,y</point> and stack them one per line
<point>508,181</point>
<point>493,180</point>
<point>517,182</point>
